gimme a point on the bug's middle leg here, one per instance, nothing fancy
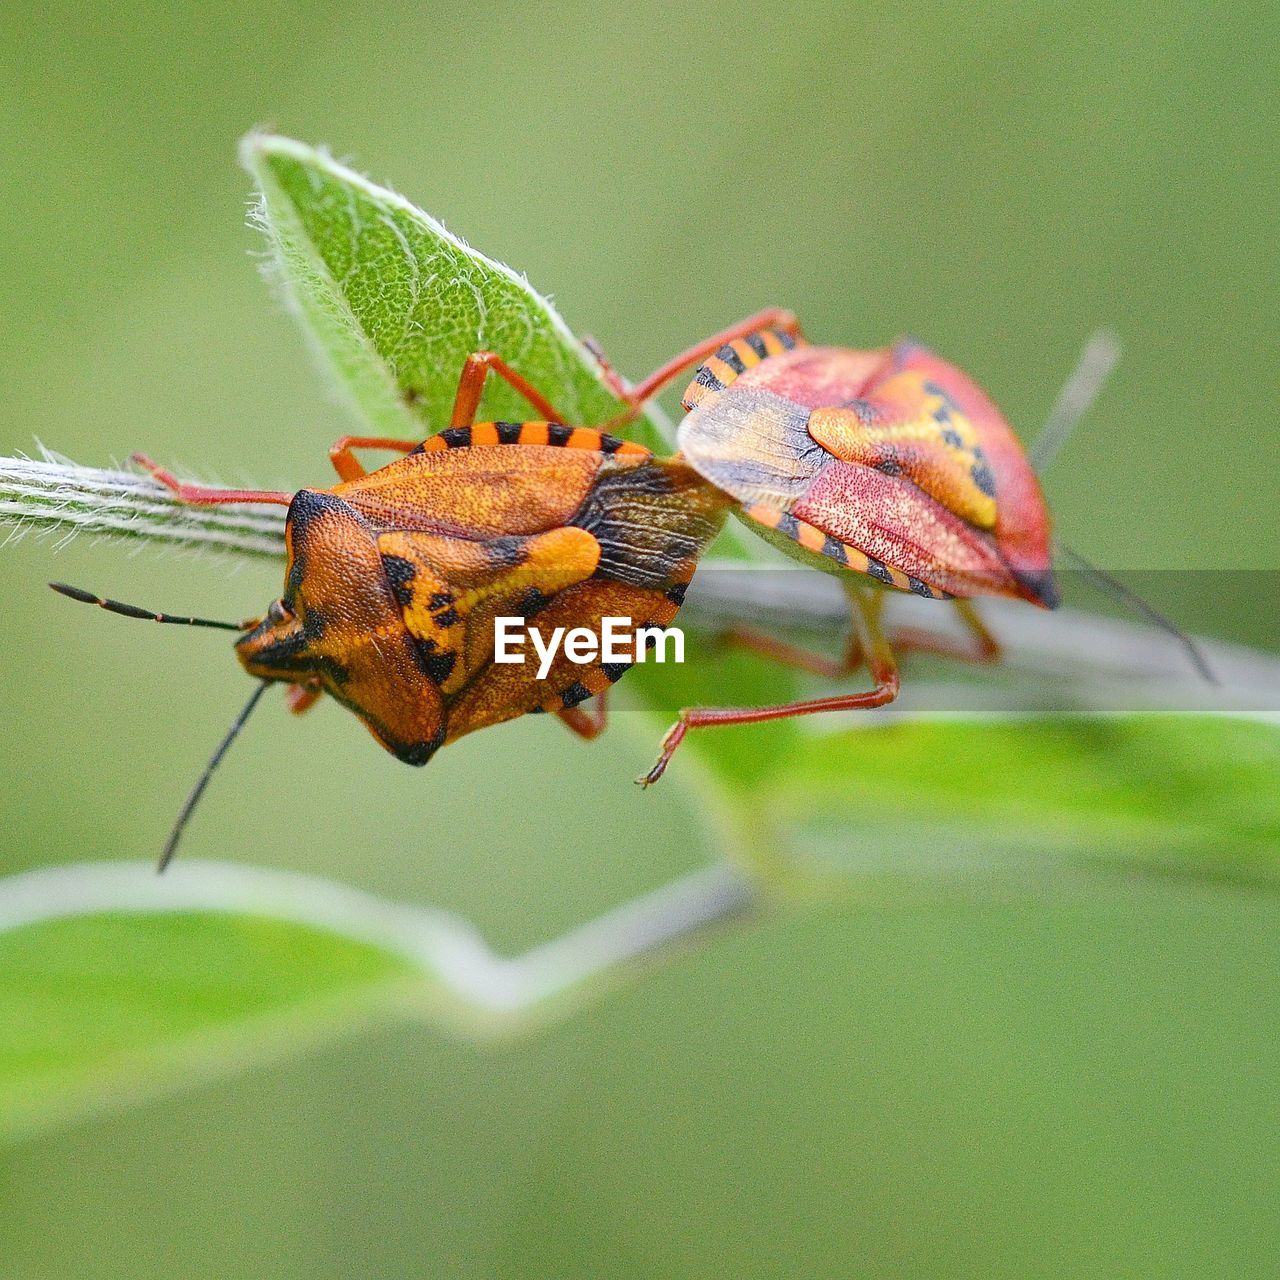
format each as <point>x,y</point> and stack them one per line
<point>879,658</point>
<point>791,655</point>
<point>587,726</point>
<point>985,647</point>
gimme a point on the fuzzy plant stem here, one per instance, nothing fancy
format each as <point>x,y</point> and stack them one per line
<point>54,496</point>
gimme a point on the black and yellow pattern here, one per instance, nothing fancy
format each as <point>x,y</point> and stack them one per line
<point>734,359</point>
<point>800,533</point>
<point>554,434</point>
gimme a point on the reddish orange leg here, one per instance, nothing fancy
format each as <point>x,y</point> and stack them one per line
<point>871,642</point>
<point>471,383</point>
<point>348,466</point>
<point>300,698</point>
<point>986,650</point>
<point>588,726</point>
<point>199,495</point>
<point>635,397</point>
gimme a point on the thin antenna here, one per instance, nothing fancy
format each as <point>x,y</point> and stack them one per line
<point>171,845</point>
<point>1113,587</point>
<point>132,610</point>
<point>1098,358</point>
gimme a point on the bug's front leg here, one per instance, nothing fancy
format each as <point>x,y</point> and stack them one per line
<point>199,495</point>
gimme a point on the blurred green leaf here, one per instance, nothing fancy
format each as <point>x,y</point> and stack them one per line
<point>940,804</point>
<point>101,1008</point>
<point>116,985</point>
<point>395,303</point>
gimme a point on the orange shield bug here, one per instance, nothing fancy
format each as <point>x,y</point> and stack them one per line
<point>395,578</point>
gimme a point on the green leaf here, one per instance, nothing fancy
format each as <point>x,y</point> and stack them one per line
<point>935,805</point>
<point>116,984</point>
<point>395,303</point>
<point>100,1008</point>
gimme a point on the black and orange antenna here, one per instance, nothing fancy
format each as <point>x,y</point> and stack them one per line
<point>148,615</point>
<point>188,807</point>
<point>133,611</point>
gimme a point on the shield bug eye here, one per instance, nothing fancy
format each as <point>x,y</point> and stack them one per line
<point>278,612</point>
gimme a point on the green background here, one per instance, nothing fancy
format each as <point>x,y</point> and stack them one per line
<point>1057,1087</point>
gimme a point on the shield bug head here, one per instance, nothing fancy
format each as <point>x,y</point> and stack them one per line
<point>338,627</point>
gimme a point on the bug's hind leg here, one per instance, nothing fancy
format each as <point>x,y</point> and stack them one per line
<point>587,726</point>
<point>199,495</point>
<point>879,659</point>
<point>611,377</point>
<point>636,397</point>
<point>791,655</point>
<point>985,648</point>
<point>773,318</point>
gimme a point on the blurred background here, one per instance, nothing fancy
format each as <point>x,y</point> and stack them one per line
<point>1014,1089</point>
